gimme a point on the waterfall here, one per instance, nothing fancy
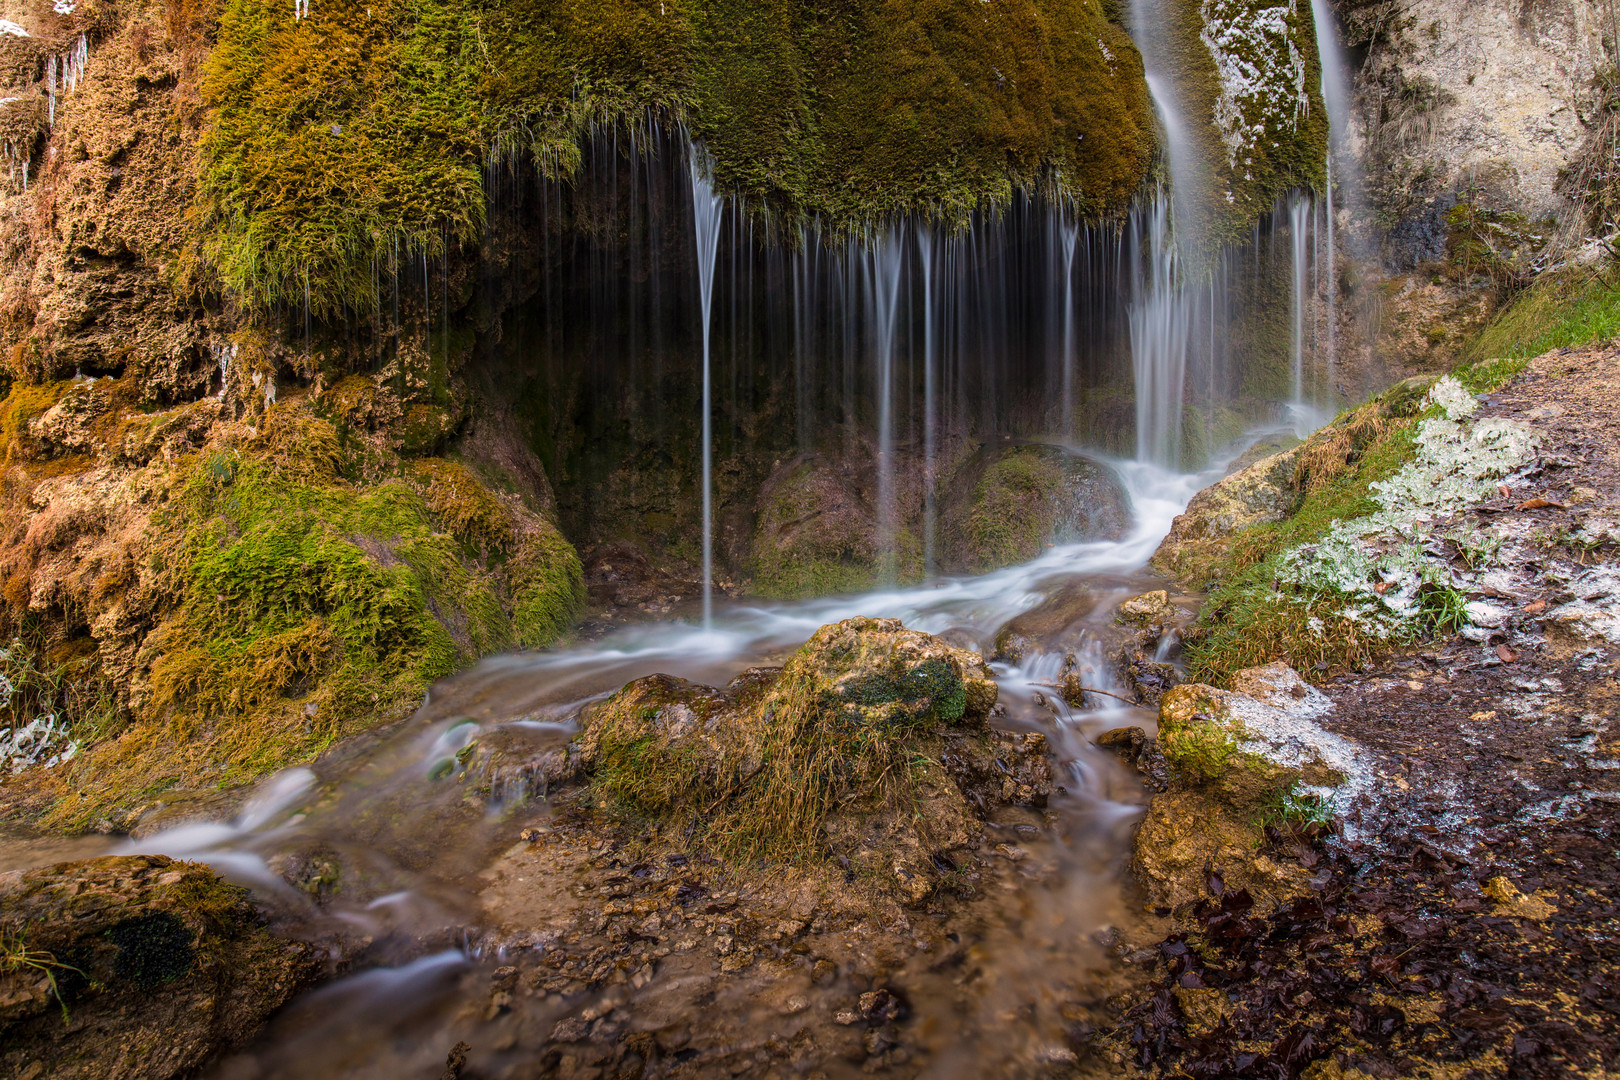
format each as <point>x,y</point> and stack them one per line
<point>925,258</point>
<point>1299,209</point>
<point>1342,169</point>
<point>1068,239</point>
<point>884,260</point>
<point>707,210</point>
<point>1159,326</point>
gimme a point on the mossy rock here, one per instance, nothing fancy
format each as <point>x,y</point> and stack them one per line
<point>135,967</point>
<point>1007,505</point>
<point>291,606</point>
<point>838,754</point>
<point>815,535</point>
<point>1197,544</point>
<point>1237,760</point>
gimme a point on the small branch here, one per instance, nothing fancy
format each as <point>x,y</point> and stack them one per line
<point>1089,690</point>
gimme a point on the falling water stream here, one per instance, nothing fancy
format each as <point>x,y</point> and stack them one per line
<point>707,215</point>
<point>417,855</point>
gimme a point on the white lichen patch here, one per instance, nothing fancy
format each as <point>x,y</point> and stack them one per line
<point>1278,713</point>
<point>42,741</point>
<point>1386,563</point>
<point>1261,73</point>
<point>1593,612</point>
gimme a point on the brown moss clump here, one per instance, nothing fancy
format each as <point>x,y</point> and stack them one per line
<point>464,506</point>
<point>841,753</point>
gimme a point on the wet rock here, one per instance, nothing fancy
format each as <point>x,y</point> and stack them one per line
<point>1148,609</point>
<point>1009,503</point>
<point>1263,492</point>
<point>1041,625</point>
<point>1135,747</point>
<point>140,965</point>
<point>1202,1009</point>
<point>834,754</point>
<point>884,1005</point>
<point>815,535</point>
<point>620,574</point>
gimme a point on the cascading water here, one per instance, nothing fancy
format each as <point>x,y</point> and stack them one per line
<point>885,254</point>
<point>1299,214</point>
<point>1160,327</point>
<point>1343,172</point>
<point>925,258</point>
<point>706,219</point>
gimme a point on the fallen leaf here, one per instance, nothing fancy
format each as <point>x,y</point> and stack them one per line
<point>1535,607</point>
<point>1381,588</point>
<point>1503,489</point>
<point>1541,504</point>
<point>1505,654</point>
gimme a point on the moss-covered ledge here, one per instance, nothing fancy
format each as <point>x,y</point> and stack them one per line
<point>346,140</point>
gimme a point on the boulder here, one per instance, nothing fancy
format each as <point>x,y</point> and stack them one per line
<point>868,749</point>
<point>133,968</point>
<point>1008,504</point>
<point>1240,759</point>
<point>1041,625</point>
<point>1261,493</point>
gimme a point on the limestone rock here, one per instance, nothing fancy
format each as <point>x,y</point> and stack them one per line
<point>158,964</point>
<point>1261,493</point>
<point>869,746</point>
<point>1006,505</point>
<point>1237,759</point>
<point>1146,610</point>
<point>1041,625</point>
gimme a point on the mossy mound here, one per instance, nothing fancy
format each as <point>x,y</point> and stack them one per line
<point>249,594</point>
<point>845,753</point>
<point>816,535</point>
<point>137,967</point>
<point>346,145</point>
<point>1011,504</point>
<point>1248,74</point>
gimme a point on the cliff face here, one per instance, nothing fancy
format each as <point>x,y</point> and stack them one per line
<point>1484,103</point>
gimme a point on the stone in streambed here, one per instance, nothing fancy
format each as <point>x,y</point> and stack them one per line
<point>159,965</point>
<point>1042,624</point>
<point>866,750</point>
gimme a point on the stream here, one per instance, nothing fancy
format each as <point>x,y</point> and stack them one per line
<point>430,890</point>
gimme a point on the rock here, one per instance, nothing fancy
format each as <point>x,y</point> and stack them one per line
<point>835,754</point>
<point>1515,904</point>
<point>884,1005</point>
<point>815,535</point>
<point>1134,747</point>
<point>1203,1009</point>
<point>1263,492</point>
<point>1237,760</point>
<point>1041,625</point>
<point>1148,609</point>
<point>158,964</point>
<point>1007,504</point>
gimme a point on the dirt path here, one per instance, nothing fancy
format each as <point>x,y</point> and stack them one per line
<point>1466,921</point>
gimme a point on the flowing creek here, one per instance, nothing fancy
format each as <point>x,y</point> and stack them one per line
<point>436,901</point>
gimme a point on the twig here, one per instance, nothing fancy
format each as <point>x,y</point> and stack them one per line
<point>1089,690</point>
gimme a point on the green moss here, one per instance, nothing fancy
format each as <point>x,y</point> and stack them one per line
<point>304,608</point>
<point>847,722</point>
<point>1247,619</point>
<point>1281,147</point>
<point>348,144</point>
<point>1558,310</point>
<point>548,588</point>
<point>1012,517</point>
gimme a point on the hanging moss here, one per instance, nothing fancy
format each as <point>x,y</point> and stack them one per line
<point>349,140</point>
